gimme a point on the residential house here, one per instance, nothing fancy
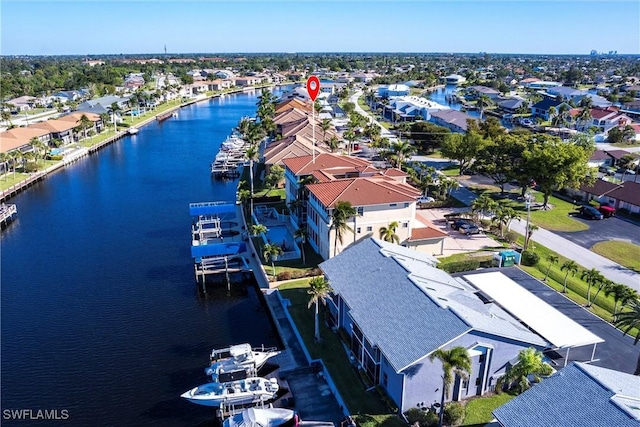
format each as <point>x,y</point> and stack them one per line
<point>225,74</point>
<point>95,119</point>
<point>67,96</point>
<point>599,158</point>
<point>389,91</point>
<point>511,105</point>
<point>541,85</point>
<point>292,146</point>
<point>134,81</point>
<point>294,103</point>
<point>603,118</point>
<point>103,104</point>
<point>61,130</point>
<point>22,103</point>
<point>632,108</point>
<point>19,138</point>
<point>454,120</point>
<point>278,78</point>
<point>541,109</point>
<point>247,81</point>
<point>567,93</point>
<point>399,308</point>
<point>474,92</point>
<point>579,395</point>
<point>620,196</point>
<point>427,238</point>
<point>407,108</point>
<point>454,79</point>
<point>616,155</point>
<point>298,92</point>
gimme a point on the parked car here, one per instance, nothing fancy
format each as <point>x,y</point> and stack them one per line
<point>456,224</point>
<point>469,228</point>
<point>607,211</point>
<point>590,212</point>
<point>426,199</point>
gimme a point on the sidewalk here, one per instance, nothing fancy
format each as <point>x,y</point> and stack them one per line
<point>582,256</point>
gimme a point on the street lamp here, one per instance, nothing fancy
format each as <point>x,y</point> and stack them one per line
<point>528,197</point>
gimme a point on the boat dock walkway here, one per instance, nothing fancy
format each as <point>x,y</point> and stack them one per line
<point>7,213</point>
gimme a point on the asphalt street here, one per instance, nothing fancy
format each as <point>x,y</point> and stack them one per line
<point>603,230</point>
<point>616,352</point>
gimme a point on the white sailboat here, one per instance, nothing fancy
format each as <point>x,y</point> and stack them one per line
<point>239,392</point>
<point>263,417</point>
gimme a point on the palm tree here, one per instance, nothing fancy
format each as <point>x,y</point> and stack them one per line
<point>4,162</point>
<point>553,259</point>
<point>339,221</point>
<point>571,267</point>
<point>483,101</point>
<point>301,235</point>
<point>503,216</point>
<point>454,361</point>
<point>628,320</point>
<point>319,289</point>
<point>388,233</point>
<point>113,110</point>
<point>553,114</point>
<point>484,205</point>
<point>529,363</point>
<point>592,277</point>
<point>85,124</point>
<point>350,136</point>
<point>325,125</point>
<point>105,120</point>
<point>252,155</point>
<point>622,294</point>
<point>605,285</point>
<point>403,150</point>
<point>271,253</point>
<point>333,143</point>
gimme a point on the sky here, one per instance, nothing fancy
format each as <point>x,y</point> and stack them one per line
<point>86,27</point>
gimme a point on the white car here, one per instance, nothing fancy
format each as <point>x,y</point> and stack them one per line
<point>426,199</point>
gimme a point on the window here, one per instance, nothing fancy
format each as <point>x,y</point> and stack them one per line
<point>393,205</point>
<point>369,228</point>
<point>385,379</point>
<point>358,230</point>
<point>478,381</point>
<point>406,205</point>
<point>360,211</point>
<point>405,225</point>
<point>481,359</point>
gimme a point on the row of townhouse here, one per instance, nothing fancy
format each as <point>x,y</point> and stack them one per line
<point>64,129</point>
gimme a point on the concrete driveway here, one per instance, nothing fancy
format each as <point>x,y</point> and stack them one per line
<point>603,230</point>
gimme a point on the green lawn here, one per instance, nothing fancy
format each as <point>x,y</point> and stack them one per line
<point>452,170</point>
<point>9,179</point>
<point>624,253</point>
<point>478,410</point>
<point>369,407</point>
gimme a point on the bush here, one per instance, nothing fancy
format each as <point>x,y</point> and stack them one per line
<point>530,258</point>
<point>55,157</point>
<point>458,266</point>
<point>511,237</point>
<point>422,418</point>
<point>284,275</point>
<point>453,413</point>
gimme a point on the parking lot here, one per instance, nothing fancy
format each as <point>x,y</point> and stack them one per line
<point>456,242</point>
<point>603,230</point>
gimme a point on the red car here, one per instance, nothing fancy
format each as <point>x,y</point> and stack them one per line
<point>607,211</point>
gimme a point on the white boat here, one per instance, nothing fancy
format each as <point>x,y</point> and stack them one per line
<point>237,357</point>
<point>239,392</point>
<point>132,131</point>
<point>263,417</point>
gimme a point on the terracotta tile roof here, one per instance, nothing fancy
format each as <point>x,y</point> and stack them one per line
<point>599,155</point>
<point>305,165</point>
<point>25,133</point>
<point>293,146</point>
<point>426,233</point>
<point>394,172</point>
<point>9,143</point>
<point>290,115</point>
<point>75,117</point>
<point>618,154</point>
<point>297,103</point>
<point>56,125</point>
<point>360,192</point>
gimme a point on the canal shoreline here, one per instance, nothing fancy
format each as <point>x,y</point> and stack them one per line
<point>35,177</point>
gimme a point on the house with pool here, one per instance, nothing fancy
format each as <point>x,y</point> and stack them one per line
<point>399,308</point>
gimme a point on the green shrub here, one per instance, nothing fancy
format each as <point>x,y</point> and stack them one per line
<point>530,258</point>
<point>284,275</point>
<point>55,157</point>
<point>511,236</point>
<point>458,266</point>
<point>453,413</point>
<point>423,418</point>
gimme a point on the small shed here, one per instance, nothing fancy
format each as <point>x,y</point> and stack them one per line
<point>507,258</point>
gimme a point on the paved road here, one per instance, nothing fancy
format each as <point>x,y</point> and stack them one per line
<point>385,133</point>
<point>605,230</point>
<point>582,256</point>
<point>617,352</point>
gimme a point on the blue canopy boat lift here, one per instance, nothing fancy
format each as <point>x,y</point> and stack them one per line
<point>210,253</point>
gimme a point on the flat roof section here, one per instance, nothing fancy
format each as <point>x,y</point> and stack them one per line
<point>551,324</point>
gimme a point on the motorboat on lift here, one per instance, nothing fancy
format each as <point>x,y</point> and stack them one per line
<point>263,417</point>
<point>239,357</point>
<point>247,390</point>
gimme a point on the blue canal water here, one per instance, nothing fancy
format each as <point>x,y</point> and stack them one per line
<point>100,313</point>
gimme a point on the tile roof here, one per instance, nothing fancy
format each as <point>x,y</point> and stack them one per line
<point>56,125</point>
<point>292,146</point>
<point>390,310</point>
<point>305,165</point>
<point>76,116</point>
<point>546,103</point>
<point>599,155</point>
<point>426,233</point>
<point>294,102</point>
<point>25,133</point>
<point>363,191</point>
<point>578,395</point>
